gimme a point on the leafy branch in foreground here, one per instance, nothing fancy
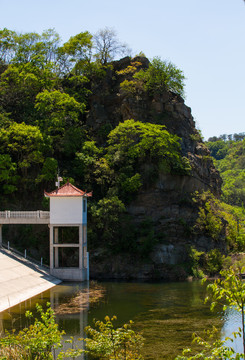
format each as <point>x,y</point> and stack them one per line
<point>38,341</point>
<point>113,344</point>
<point>229,291</point>
<point>211,348</point>
<point>35,342</point>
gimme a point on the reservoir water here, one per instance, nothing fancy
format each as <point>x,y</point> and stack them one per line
<point>165,313</point>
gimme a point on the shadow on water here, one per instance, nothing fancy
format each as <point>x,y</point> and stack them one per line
<point>165,313</point>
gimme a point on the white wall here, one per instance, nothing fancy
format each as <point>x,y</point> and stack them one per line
<point>66,210</point>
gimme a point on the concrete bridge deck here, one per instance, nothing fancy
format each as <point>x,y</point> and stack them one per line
<point>21,280</point>
<point>24,217</point>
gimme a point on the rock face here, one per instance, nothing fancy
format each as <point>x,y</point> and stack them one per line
<point>167,203</point>
<point>109,105</point>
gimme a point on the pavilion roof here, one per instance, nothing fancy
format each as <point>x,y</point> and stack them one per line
<point>67,190</point>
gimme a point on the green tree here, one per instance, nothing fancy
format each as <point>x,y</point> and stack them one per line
<point>230,161</point>
<point>7,45</point>
<point>58,111</point>
<point>49,170</point>
<point>218,149</point>
<point>34,48</point>
<point>146,142</point>
<point>19,86</point>
<point>25,144</point>
<point>106,217</point>
<point>162,75</point>
<point>220,221</point>
<point>8,176</point>
<point>26,48</point>
<point>77,51</point>
<point>210,220</point>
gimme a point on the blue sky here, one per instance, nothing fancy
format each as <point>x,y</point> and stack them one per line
<point>204,38</point>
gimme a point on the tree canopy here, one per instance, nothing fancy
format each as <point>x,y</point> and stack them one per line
<point>162,74</point>
<point>45,96</point>
<point>230,161</point>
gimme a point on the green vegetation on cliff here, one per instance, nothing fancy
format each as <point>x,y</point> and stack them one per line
<point>119,128</point>
<point>45,87</point>
<point>229,153</point>
<point>225,216</point>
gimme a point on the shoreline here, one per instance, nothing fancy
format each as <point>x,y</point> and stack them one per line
<point>20,280</point>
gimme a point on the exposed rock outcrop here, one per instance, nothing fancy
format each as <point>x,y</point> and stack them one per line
<point>109,105</point>
<point>168,202</point>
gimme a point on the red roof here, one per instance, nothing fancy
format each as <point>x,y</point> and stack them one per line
<point>67,190</point>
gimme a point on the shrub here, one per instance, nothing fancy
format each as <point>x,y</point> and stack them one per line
<point>162,75</point>
<point>113,344</point>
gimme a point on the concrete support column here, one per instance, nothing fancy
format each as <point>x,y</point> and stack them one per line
<point>56,249</point>
<point>85,263</point>
<point>51,246</point>
<point>1,236</point>
<point>81,253</point>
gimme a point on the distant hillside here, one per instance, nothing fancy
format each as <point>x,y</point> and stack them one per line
<point>229,154</point>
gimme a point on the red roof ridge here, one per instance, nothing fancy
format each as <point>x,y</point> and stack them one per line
<point>67,190</point>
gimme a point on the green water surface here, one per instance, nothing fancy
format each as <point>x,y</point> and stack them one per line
<point>165,313</point>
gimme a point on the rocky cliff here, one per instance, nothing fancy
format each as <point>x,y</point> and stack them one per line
<point>110,105</point>
<point>168,202</point>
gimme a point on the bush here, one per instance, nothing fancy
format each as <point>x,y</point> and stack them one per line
<point>214,262</point>
<point>35,342</point>
<point>162,75</point>
<point>113,344</point>
<point>38,341</point>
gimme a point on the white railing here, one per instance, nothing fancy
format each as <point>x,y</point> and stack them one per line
<point>24,254</point>
<point>24,214</point>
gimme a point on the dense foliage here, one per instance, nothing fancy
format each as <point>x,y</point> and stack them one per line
<point>106,342</point>
<point>44,91</point>
<point>36,341</point>
<point>221,218</point>
<point>229,153</point>
<point>39,340</point>
<point>216,220</point>
<point>158,76</point>
<point>162,74</point>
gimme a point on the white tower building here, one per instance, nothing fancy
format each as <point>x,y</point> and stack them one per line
<point>69,258</point>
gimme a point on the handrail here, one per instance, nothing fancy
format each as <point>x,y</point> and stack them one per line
<point>24,255</point>
<point>39,214</point>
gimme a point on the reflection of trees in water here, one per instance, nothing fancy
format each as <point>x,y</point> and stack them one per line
<point>69,300</point>
<point>166,313</point>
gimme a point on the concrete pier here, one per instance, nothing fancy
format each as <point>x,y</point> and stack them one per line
<point>21,280</point>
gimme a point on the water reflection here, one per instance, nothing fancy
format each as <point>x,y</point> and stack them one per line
<point>166,313</point>
<point>232,321</point>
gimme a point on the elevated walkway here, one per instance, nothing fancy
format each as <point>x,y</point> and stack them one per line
<point>68,208</point>
<point>24,217</point>
<point>20,279</point>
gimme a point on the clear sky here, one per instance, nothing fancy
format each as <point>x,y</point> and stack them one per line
<point>204,38</point>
